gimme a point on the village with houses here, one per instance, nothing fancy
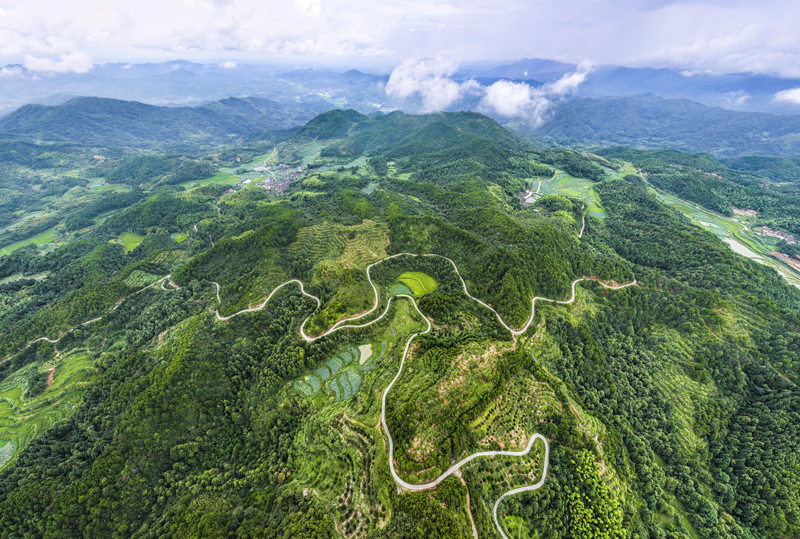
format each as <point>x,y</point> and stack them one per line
<point>785,236</point>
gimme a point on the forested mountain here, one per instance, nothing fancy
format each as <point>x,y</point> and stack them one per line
<point>398,132</point>
<point>649,121</point>
<point>300,337</point>
<point>112,122</point>
<point>778,169</point>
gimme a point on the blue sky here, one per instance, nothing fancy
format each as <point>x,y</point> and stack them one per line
<point>700,36</point>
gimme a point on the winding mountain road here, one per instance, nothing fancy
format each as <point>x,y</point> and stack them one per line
<point>347,323</point>
<point>343,324</point>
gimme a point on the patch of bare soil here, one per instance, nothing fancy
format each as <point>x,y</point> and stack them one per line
<point>794,262</point>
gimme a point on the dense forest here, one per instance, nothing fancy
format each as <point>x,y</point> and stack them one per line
<point>652,122</point>
<point>716,187</point>
<point>174,395</point>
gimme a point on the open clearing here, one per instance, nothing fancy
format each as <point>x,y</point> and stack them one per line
<point>419,283</point>
<point>47,236</point>
<point>130,241</point>
<point>220,177</point>
<point>365,350</point>
<point>564,184</point>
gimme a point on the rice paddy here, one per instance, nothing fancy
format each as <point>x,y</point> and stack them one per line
<point>130,241</point>
<point>365,350</point>
<point>564,184</point>
<point>343,372</point>
<point>736,234</point>
<point>23,418</point>
<point>419,283</point>
<point>48,236</point>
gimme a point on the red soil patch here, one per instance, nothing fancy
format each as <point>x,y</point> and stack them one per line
<point>50,374</point>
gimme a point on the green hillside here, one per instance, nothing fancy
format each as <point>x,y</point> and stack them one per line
<point>309,342</point>
<point>650,122</point>
<point>112,122</point>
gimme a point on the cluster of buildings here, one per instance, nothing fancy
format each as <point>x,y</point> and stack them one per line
<point>528,197</point>
<point>788,238</point>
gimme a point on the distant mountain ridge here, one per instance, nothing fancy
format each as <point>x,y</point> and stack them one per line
<point>376,134</point>
<point>113,122</point>
<point>648,121</point>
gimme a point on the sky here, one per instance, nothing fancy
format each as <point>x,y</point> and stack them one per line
<point>699,36</point>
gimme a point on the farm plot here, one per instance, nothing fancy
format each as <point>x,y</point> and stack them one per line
<point>400,289</point>
<point>48,236</point>
<point>580,188</point>
<point>419,283</point>
<point>343,372</point>
<point>23,418</point>
<point>130,241</point>
<point>140,279</point>
<point>179,237</point>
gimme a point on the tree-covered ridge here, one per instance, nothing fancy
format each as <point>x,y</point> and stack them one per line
<point>112,122</point>
<point>652,122</point>
<point>701,179</point>
<point>777,169</point>
<point>668,405</point>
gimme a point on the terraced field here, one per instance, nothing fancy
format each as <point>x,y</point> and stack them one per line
<point>504,422</point>
<point>130,241</point>
<point>171,258</point>
<point>140,279</point>
<point>22,419</point>
<point>343,373</point>
<point>419,283</point>
<point>581,188</point>
<point>331,246</point>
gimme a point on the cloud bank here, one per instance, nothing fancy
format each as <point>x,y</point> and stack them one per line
<point>432,81</point>
<point>521,101</point>
<point>429,79</point>
<point>720,36</point>
<point>76,62</point>
<point>789,96</point>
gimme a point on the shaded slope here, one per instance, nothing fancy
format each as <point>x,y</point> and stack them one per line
<point>648,121</point>
<point>112,122</point>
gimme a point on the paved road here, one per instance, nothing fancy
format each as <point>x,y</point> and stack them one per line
<point>346,323</point>
<point>455,467</point>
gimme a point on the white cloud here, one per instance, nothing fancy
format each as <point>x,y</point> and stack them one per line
<point>570,81</point>
<point>736,99</point>
<point>8,72</point>
<point>228,65</point>
<point>76,62</point>
<point>430,79</point>
<point>312,8</point>
<point>788,96</point>
<point>518,100</point>
<point>691,35</point>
